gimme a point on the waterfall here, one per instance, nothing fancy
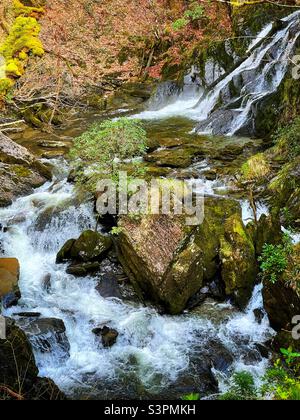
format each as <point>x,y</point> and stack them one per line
<point>152,350</point>
<point>230,105</point>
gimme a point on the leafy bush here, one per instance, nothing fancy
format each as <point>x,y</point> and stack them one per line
<point>242,388</point>
<point>281,383</point>
<point>101,150</point>
<point>193,14</point>
<point>180,24</point>
<point>275,259</point>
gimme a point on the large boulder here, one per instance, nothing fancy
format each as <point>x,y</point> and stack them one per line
<point>169,262</point>
<point>18,371</point>
<point>90,246</point>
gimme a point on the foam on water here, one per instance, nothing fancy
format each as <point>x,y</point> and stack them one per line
<point>160,345</point>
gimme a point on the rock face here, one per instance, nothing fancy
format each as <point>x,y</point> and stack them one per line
<point>9,278</point>
<point>20,171</point>
<point>170,262</point>
<point>22,382</point>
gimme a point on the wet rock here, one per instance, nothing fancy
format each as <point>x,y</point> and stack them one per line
<point>108,335</point>
<point>28,314</point>
<point>169,262</point>
<point>220,357</point>
<point>46,281</point>
<point>81,270</point>
<point>90,246</point>
<point>13,153</point>
<point>259,315</point>
<point>16,351</point>
<point>46,334</point>
<point>108,286</point>
<point>263,350</point>
<point>11,299</point>
<point>267,231</point>
<point>52,144</point>
<point>65,253</point>
<point>238,261</point>
<point>174,158</point>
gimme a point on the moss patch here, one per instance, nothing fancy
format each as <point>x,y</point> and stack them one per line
<point>21,43</point>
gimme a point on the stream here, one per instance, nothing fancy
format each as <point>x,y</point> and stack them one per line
<point>156,356</point>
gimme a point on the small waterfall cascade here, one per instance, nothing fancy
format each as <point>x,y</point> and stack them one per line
<point>152,350</point>
<point>231,105</point>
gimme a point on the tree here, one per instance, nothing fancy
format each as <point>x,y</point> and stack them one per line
<point>100,151</point>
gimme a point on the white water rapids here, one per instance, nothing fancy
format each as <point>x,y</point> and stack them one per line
<point>256,78</point>
<point>161,346</point>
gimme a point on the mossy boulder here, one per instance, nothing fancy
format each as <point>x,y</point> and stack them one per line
<point>90,246</point>
<point>267,231</point>
<point>169,262</point>
<point>18,370</point>
<point>238,263</point>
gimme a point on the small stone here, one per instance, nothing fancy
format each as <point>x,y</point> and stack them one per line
<point>108,335</point>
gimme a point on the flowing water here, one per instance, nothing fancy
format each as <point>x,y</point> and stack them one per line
<point>155,355</point>
<point>152,352</point>
<point>217,110</point>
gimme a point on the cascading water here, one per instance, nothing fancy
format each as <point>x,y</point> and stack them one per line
<point>153,351</point>
<point>219,111</point>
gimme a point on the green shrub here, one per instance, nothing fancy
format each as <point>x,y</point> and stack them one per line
<point>280,383</point>
<point>242,388</point>
<point>275,259</point>
<point>101,150</point>
<point>287,140</point>
<point>194,13</point>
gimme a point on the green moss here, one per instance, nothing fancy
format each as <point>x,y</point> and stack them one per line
<point>21,10</point>
<point>21,43</point>
<point>21,171</point>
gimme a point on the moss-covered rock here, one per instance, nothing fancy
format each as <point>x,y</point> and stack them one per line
<point>169,262</point>
<point>267,231</point>
<point>20,171</point>
<point>90,246</point>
